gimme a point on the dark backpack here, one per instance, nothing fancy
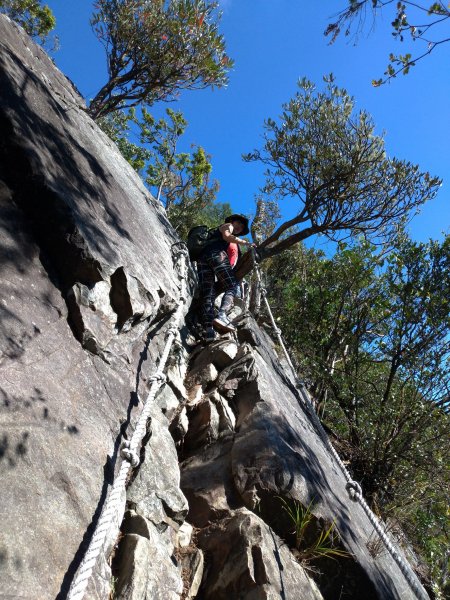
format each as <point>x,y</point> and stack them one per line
<point>198,239</point>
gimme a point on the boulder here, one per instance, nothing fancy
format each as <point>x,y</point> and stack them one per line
<point>203,374</point>
<point>220,353</point>
<point>184,535</point>
<point>168,402</point>
<point>238,374</point>
<point>207,482</point>
<point>227,418</point>
<point>146,568</point>
<point>192,563</point>
<point>132,565</point>
<point>179,426</point>
<point>203,425</point>
<point>247,560</point>
<point>92,316</point>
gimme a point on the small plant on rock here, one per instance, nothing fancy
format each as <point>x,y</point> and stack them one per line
<point>113,587</point>
<point>321,544</point>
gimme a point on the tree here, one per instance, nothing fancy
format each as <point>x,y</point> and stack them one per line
<point>266,215</point>
<point>164,173</point>
<point>214,214</point>
<point>118,127</point>
<point>411,20</point>
<point>156,49</point>
<point>180,180</point>
<point>370,334</point>
<point>330,161</point>
<point>37,20</point>
<point>333,302</point>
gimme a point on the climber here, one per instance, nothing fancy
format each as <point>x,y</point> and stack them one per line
<point>214,262</point>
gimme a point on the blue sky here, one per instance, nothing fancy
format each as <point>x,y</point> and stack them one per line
<point>274,43</point>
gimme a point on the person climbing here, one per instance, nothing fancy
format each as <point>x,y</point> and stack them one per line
<point>214,262</point>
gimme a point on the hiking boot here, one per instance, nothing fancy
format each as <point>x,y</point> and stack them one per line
<point>222,323</point>
<point>210,335</point>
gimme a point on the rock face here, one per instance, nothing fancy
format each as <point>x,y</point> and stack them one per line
<point>87,289</point>
<point>239,481</point>
<point>249,561</point>
<point>88,286</point>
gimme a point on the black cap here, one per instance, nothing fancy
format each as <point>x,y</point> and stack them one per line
<point>242,219</point>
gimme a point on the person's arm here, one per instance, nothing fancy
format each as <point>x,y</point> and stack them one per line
<point>227,234</point>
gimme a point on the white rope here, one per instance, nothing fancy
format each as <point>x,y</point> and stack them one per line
<point>353,488</point>
<point>114,506</point>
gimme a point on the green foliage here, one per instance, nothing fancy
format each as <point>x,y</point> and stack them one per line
<point>37,19</point>
<point>413,21</point>
<point>329,160</point>
<point>266,215</point>
<point>300,516</point>
<point>322,545</point>
<point>214,214</point>
<point>180,180</point>
<point>113,587</point>
<point>431,525</point>
<point>371,335</point>
<point>156,49</point>
<point>117,126</point>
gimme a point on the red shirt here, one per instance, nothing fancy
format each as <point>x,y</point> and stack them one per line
<point>233,253</point>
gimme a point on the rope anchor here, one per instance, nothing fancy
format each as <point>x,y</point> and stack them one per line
<point>128,454</point>
<point>159,378</point>
<point>354,491</point>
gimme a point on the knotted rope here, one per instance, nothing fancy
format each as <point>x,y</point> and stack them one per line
<point>114,507</point>
<point>353,488</point>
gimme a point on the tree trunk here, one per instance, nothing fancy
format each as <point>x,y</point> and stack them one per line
<point>246,263</point>
<point>255,298</point>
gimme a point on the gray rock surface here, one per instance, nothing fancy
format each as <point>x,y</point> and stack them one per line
<point>203,424</point>
<point>275,452</point>
<point>86,296</point>
<point>133,568</point>
<point>192,562</point>
<point>219,353</point>
<point>207,482</point>
<point>184,535</point>
<point>155,491</point>
<point>249,562</point>
<point>203,374</point>
<point>146,569</point>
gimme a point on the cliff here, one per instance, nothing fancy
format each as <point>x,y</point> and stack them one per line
<point>88,288</point>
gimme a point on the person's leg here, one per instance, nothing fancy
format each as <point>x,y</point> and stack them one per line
<point>206,288</point>
<point>228,299</point>
<point>228,282</point>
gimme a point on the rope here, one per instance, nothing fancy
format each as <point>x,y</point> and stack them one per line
<point>114,505</point>
<point>353,488</point>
